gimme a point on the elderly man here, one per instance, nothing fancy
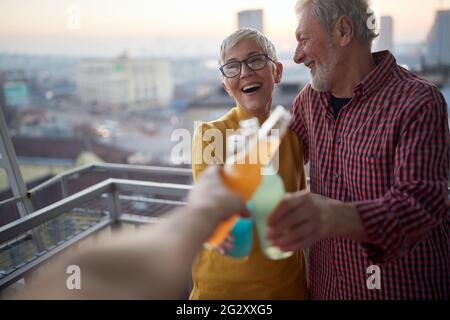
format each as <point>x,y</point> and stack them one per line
<point>377,140</point>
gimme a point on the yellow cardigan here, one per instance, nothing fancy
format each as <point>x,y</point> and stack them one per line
<point>253,277</point>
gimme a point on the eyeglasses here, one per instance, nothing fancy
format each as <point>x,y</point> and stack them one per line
<point>254,63</point>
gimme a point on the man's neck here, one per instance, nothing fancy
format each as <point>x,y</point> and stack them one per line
<point>353,71</point>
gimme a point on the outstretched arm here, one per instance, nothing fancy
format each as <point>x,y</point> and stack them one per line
<point>151,263</point>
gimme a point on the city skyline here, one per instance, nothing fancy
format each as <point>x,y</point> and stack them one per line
<point>153,27</point>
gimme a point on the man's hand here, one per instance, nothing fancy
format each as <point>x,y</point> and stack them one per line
<point>212,196</point>
<point>303,218</point>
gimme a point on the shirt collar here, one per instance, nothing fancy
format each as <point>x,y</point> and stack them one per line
<point>385,64</point>
<point>244,115</point>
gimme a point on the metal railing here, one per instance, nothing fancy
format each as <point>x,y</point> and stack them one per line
<point>107,169</point>
<point>110,168</point>
<point>112,191</point>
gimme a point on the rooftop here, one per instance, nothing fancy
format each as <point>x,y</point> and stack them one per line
<point>284,95</point>
<point>66,149</point>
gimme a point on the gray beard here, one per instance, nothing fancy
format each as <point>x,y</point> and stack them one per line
<point>321,81</point>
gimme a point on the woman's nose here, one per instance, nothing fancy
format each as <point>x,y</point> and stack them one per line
<point>245,70</point>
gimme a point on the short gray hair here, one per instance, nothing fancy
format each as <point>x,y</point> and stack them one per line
<point>328,12</point>
<point>247,34</point>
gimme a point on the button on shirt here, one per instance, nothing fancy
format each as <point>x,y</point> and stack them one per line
<point>387,153</point>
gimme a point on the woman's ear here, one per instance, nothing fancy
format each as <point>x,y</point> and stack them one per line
<point>278,72</point>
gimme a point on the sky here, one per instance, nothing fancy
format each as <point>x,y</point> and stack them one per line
<point>168,27</point>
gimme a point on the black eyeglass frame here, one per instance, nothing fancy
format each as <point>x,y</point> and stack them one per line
<point>245,61</point>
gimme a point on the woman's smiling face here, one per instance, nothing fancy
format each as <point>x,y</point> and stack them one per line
<point>252,90</point>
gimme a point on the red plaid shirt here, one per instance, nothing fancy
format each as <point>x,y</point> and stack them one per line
<point>388,153</point>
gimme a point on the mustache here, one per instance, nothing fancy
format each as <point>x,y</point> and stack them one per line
<point>307,62</point>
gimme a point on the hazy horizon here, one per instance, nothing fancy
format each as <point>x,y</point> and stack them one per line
<point>153,27</point>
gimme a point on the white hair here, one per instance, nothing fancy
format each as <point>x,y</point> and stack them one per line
<point>247,34</point>
<point>328,12</point>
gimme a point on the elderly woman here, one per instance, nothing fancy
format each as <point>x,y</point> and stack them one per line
<point>250,70</point>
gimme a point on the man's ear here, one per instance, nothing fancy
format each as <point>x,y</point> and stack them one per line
<point>226,89</point>
<point>278,72</point>
<point>343,31</point>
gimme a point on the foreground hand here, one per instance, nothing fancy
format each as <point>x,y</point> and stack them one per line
<point>300,220</point>
<point>212,196</point>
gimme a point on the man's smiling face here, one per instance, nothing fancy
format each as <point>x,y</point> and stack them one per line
<point>316,51</point>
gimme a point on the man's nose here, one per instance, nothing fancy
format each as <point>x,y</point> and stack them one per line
<point>299,56</point>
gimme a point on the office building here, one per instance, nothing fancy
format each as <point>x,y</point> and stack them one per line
<point>125,83</point>
<point>385,40</point>
<point>251,19</point>
<point>14,91</point>
<point>438,46</point>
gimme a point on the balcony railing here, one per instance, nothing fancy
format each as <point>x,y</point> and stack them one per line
<point>63,184</point>
<point>29,241</point>
<point>109,169</point>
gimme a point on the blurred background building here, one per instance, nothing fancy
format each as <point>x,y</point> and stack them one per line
<point>438,43</point>
<point>14,91</point>
<point>251,19</point>
<point>125,83</point>
<point>385,40</point>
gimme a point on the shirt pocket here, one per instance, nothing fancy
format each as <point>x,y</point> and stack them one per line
<point>362,146</point>
<point>367,166</point>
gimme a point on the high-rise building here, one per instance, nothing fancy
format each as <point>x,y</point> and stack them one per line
<point>438,48</point>
<point>385,40</point>
<point>14,91</point>
<point>251,19</point>
<point>124,82</point>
